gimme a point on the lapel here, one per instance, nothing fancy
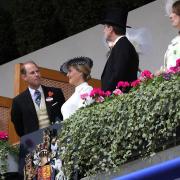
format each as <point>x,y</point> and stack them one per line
<point>110,56</point>
<point>29,102</point>
<point>48,104</point>
<point>108,60</point>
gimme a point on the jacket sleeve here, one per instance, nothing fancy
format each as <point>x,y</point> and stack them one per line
<point>61,101</point>
<point>16,118</point>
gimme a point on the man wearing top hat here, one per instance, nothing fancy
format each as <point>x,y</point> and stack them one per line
<point>123,61</point>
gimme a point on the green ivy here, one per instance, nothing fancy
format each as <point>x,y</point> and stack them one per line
<point>5,149</point>
<point>105,135</point>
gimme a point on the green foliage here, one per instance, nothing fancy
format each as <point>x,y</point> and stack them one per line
<point>103,136</point>
<point>5,149</point>
<point>8,50</point>
<point>36,25</point>
<point>39,23</point>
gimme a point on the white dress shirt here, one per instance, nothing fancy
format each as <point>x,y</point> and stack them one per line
<point>32,91</point>
<point>75,101</point>
<point>117,39</point>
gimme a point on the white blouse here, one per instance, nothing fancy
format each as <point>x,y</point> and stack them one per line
<point>75,101</point>
<point>172,53</point>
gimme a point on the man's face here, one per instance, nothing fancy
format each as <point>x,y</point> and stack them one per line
<point>32,76</point>
<point>107,32</point>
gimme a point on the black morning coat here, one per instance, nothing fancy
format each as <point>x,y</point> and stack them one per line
<point>23,112</point>
<point>122,65</point>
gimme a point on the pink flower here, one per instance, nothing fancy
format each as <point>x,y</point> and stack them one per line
<point>123,84</point>
<point>107,93</point>
<point>173,70</point>
<point>135,83</point>
<point>99,99</point>
<point>97,92</point>
<point>84,96</point>
<point>147,74</point>
<point>3,135</point>
<point>178,62</point>
<point>117,92</point>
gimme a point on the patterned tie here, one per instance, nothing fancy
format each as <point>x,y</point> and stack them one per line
<point>37,95</point>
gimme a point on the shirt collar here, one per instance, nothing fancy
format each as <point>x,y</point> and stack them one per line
<point>176,40</point>
<point>79,87</point>
<point>117,39</point>
<point>32,91</point>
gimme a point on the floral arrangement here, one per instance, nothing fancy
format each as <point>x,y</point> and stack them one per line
<point>5,148</point>
<point>99,95</point>
<point>119,127</point>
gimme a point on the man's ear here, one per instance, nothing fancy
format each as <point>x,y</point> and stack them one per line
<point>23,76</point>
<point>111,28</point>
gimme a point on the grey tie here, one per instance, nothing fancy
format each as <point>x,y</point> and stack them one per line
<point>37,95</point>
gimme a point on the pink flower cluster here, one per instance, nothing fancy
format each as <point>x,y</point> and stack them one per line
<point>99,95</point>
<point>174,69</point>
<point>178,62</point>
<point>117,92</point>
<point>136,83</point>
<point>99,92</point>
<point>123,84</point>
<point>3,135</point>
<point>146,74</point>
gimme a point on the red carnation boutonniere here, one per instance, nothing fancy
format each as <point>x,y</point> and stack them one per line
<point>50,96</point>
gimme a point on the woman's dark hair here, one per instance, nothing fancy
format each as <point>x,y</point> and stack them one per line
<point>176,7</point>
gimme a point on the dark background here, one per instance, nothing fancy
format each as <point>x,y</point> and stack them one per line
<point>28,25</point>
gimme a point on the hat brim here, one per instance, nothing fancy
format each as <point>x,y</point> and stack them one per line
<point>75,61</point>
<point>114,23</point>
<point>64,68</point>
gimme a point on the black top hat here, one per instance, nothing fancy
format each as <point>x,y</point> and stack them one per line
<point>76,61</point>
<point>116,16</point>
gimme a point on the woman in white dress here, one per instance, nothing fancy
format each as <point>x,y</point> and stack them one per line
<point>173,51</point>
<point>78,71</point>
